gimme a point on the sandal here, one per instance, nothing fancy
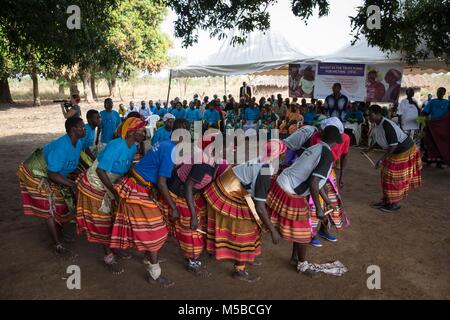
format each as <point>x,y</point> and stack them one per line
<point>161,281</point>
<point>245,276</point>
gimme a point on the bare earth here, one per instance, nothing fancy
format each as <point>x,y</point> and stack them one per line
<point>411,247</point>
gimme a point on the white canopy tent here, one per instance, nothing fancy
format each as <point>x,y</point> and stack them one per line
<point>262,52</point>
<point>361,52</point>
<point>270,53</point>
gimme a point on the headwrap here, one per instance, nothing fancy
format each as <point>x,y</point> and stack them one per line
<point>333,121</point>
<point>272,149</point>
<point>130,125</point>
<point>203,144</point>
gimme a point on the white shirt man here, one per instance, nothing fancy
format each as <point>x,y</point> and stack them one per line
<point>409,113</point>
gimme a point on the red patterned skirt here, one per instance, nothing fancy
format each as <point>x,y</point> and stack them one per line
<point>139,222</point>
<point>232,232</point>
<point>191,242</point>
<point>290,214</point>
<point>399,174</point>
<point>96,224</point>
<point>42,200</point>
<point>338,216</point>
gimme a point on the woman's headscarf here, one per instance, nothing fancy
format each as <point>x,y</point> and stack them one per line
<point>130,125</point>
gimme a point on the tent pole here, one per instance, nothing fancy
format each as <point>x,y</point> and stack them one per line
<point>170,83</point>
<point>225,83</point>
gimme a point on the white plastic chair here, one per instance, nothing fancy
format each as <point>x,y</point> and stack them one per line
<point>152,121</point>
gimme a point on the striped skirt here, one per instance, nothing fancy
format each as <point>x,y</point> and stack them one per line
<point>191,242</point>
<point>232,232</point>
<point>289,214</point>
<point>338,216</point>
<point>41,198</point>
<point>90,219</point>
<point>139,223</point>
<point>399,174</point>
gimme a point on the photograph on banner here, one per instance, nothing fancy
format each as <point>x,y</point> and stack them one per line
<point>383,82</point>
<point>351,76</point>
<point>301,80</point>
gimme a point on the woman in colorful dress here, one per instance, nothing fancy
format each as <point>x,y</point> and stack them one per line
<point>95,208</point>
<point>46,190</point>
<point>288,196</point>
<point>139,223</point>
<point>401,164</point>
<point>236,205</point>
<point>186,187</point>
<point>332,188</point>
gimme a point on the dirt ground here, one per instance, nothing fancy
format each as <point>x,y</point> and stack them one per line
<point>411,247</point>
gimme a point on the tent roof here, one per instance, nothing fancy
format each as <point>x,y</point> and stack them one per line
<point>261,52</point>
<point>270,53</point>
<point>361,52</point>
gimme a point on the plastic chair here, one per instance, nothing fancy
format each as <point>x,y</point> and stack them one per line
<point>152,121</point>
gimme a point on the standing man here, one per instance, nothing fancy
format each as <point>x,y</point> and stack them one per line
<point>110,120</point>
<point>336,103</point>
<point>408,112</point>
<point>72,109</point>
<point>245,90</point>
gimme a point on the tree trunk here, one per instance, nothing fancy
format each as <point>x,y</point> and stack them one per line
<point>5,93</point>
<point>94,91</point>
<point>36,98</point>
<point>112,85</point>
<point>74,87</point>
<point>61,90</point>
<point>86,78</point>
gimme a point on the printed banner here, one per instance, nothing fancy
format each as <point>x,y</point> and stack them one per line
<point>383,82</point>
<point>301,80</point>
<point>351,77</point>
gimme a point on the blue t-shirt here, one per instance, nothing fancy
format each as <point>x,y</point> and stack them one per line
<point>161,135</point>
<point>309,117</point>
<point>88,139</point>
<point>153,109</point>
<point>251,113</point>
<point>358,115</point>
<point>437,108</point>
<point>62,156</point>
<point>157,162</point>
<point>161,112</point>
<point>117,157</point>
<point>109,123</point>
<point>193,115</point>
<point>179,114</point>
<point>211,116</point>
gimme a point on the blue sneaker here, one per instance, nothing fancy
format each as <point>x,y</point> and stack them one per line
<point>315,243</point>
<point>327,236</point>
